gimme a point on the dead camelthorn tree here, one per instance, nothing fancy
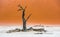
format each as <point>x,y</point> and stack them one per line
<point>23,18</point>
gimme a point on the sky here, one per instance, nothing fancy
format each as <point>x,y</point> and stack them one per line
<point>43,11</point>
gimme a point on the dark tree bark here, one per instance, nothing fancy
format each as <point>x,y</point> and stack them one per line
<point>23,19</point>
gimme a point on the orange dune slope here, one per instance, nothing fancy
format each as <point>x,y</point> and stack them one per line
<point>43,11</point>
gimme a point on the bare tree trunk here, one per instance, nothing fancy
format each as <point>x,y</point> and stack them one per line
<point>24,21</point>
<point>24,26</point>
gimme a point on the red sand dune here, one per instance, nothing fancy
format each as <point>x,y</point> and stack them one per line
<point>43,11</point>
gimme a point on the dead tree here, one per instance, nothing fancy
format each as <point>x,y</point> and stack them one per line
<point>23,18</point>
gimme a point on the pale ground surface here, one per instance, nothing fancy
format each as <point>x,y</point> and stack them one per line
<point>52,31</point>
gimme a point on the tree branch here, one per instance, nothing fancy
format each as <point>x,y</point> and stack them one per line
<point>20,7</point>
<point>28,17</point>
